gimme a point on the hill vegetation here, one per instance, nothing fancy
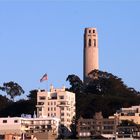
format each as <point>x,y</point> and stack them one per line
<point>101,91</point>
<point>9,107</point>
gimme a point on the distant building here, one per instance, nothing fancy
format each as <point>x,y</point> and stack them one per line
<point>57,103</point>
<point>90,51</point>
<point>130,113</point>
<point>97,126</point>
<point>130,131</point>
<point>16,127</point>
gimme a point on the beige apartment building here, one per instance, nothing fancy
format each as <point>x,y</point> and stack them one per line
<point>57,103</point>
<point>130,113</point>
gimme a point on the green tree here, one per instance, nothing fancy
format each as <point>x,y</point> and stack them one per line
<point>76,83</point>
<point>73,128</point>
<point>32,97</point>
<point>12,89</point>
<point>4,102</point>
<point>15,109</point>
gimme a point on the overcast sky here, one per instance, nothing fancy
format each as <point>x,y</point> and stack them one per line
<point>38,37</point>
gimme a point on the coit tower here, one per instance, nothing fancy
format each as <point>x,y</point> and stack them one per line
<point>90,51</point>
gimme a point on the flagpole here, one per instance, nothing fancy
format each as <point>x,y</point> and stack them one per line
<point>47,85</point>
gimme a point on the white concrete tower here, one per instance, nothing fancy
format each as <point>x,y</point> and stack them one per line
<point>90,51</point>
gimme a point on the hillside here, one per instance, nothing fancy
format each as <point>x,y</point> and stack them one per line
<point>101,91</point>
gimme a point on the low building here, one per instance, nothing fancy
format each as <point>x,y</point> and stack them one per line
<point>97,126</point>
<point>131,127</point>
<point>131,114</point>
<point>126,131</point>
<point>57,103</point>
<point>22,127</point>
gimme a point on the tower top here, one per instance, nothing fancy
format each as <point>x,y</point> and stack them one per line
<point>90,30</point>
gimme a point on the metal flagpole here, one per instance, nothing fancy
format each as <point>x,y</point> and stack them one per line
<point>47,85</point>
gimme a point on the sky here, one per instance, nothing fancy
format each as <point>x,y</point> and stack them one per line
<point>46,36</point>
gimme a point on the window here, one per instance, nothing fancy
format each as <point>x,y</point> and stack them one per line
<point>62,108</point>
<point>94,42</point>
<point>108,127</point>
<point>62,114</point>
<point>93,31</point>
<point>88,123</point>
<point>40,109</point>
<point>61,97</point>
<point>48,103</point>
<point>89,31</point>
<point>89,42</point>
<point>122,114</point>
<point>48,114</point>
<point>4,121</point>
<point>40,103</point>
<point>62,119</point>
<point>26,126</point>
<point>54,103</point>
<point>36,127</point>
<point>54,95</point>
<point>51,109</point>
<point>42,97</point>
<point>54,109</point>
<point>48,109</point>
<point>15,121</point>
<point>51,103</point>
<point>62,103</point>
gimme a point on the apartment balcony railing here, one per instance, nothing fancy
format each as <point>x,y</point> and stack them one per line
<point>40,103</point>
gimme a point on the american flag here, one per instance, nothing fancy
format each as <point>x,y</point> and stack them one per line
<point>44,77</point>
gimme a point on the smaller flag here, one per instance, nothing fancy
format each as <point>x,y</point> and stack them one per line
<point>44,77</point>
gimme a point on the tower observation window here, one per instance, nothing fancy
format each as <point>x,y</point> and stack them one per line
<point>89,42</point>
<point>94,42</point>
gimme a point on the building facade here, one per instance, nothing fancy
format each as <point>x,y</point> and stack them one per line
<point>97,126</point>
<point>15,127</point>
<point>90,51</point>
<point>130,113</point>
<point>57,103</point>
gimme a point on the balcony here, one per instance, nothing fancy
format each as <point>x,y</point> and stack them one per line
<point>63,103</point>
<point>40,103</point>
<point>52,98</point>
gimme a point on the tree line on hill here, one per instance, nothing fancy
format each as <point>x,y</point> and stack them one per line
<point>9,107</point>
<point>101,91</point>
